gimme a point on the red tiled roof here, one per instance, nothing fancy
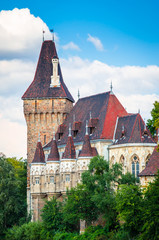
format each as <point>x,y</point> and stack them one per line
<point>152,166</point>
<point>40,87</point>
<point>104,109</point>
<point>69,152</point>
<point>54,153</point>
<point>114,110</point>
<point>87,150</point>
<point>39,156</point>
<point>133,130</point>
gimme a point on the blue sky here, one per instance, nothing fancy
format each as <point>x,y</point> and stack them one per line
<point>98,42</point>
<point>128,29</point>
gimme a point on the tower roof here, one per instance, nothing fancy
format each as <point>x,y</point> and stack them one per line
<point>54,153</point>
<point>40,87</point>
<point>69,152</point>
<point>39,156</point>
<point>87,150</point>
<point>152,166</point>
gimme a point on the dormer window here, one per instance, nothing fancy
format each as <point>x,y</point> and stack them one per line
<point>123,132</point>
<point>76,128</point>
<point>91,130</point>
<point>92,125</point>
<point>60,136</point>
<point>60,131</point>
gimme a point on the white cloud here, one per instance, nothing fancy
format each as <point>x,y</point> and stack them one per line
<point>71,46</point>
<point>96,42</point>
<point>21,33</point>
<point>135,86</point>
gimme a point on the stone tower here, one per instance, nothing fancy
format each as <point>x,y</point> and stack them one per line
<point>46,102</point>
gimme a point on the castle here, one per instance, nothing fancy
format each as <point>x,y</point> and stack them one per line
<point>62,136</point>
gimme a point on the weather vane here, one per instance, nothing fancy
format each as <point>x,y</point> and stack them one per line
<point>43,35</point>
<point>52,31</point>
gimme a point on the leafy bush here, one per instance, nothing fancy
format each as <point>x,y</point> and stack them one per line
<point>28,231</point>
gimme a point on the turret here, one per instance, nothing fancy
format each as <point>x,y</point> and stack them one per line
<point>47,101</point>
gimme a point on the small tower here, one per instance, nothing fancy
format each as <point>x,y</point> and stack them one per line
<point>86,154</point>
<point>68,164</point>
<point>37,182</point>
<point>46,102</point>
<point>53,171</point>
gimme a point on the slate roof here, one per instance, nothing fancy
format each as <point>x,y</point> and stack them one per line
<point>69,152</point>
<point>40,87</point>
<point>39,156</point>
<point>104,107</point>
<point>152,166</point>
<point>54,153</point>
<point>87,150</point>
<point>131,129</point>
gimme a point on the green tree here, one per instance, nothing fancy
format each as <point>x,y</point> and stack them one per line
<point>52,217</point>
<point>150,230</point>
<point>153,123</point>
<point>95,196</point>
<point>129,204</point>
<point>12,204</point>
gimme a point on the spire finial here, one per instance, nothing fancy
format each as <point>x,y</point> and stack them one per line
<point>39,137</point>
<point>86,127</point>
<point>111,87</point>
<point>53,134</point>
<point>139,110</point>
<point>52,31</point>
<point>144,125</point>
<point>43,35</point>
<point>78,94</point>
<point>122,128</point>
<point>69,130</point>
<point>90,115</point>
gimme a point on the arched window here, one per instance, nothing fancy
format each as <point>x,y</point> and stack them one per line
<point>135,166</point>
<point>147,159</point>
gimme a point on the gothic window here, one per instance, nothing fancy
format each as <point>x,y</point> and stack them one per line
<point>36,180</point>
<point>135,166</point>
<point>67,177</point>
<point>51,179</point>
<point>121,161</point>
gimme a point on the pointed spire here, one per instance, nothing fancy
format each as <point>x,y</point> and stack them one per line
<point>74,118</point>
<point>39,156</point>
<point>78,94</point>
<point>70,152</point>
<point>87,150</point>
<point>86,127</point>
<point>145,125</point>
<point>70,130</point>
<point>111,88</point>
<point>54,153</point>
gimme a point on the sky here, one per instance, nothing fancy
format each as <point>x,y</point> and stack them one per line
<point>98,42</point>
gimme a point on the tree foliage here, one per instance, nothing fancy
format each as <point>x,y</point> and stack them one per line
<point>153,123</point>
<point>12,196</point>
